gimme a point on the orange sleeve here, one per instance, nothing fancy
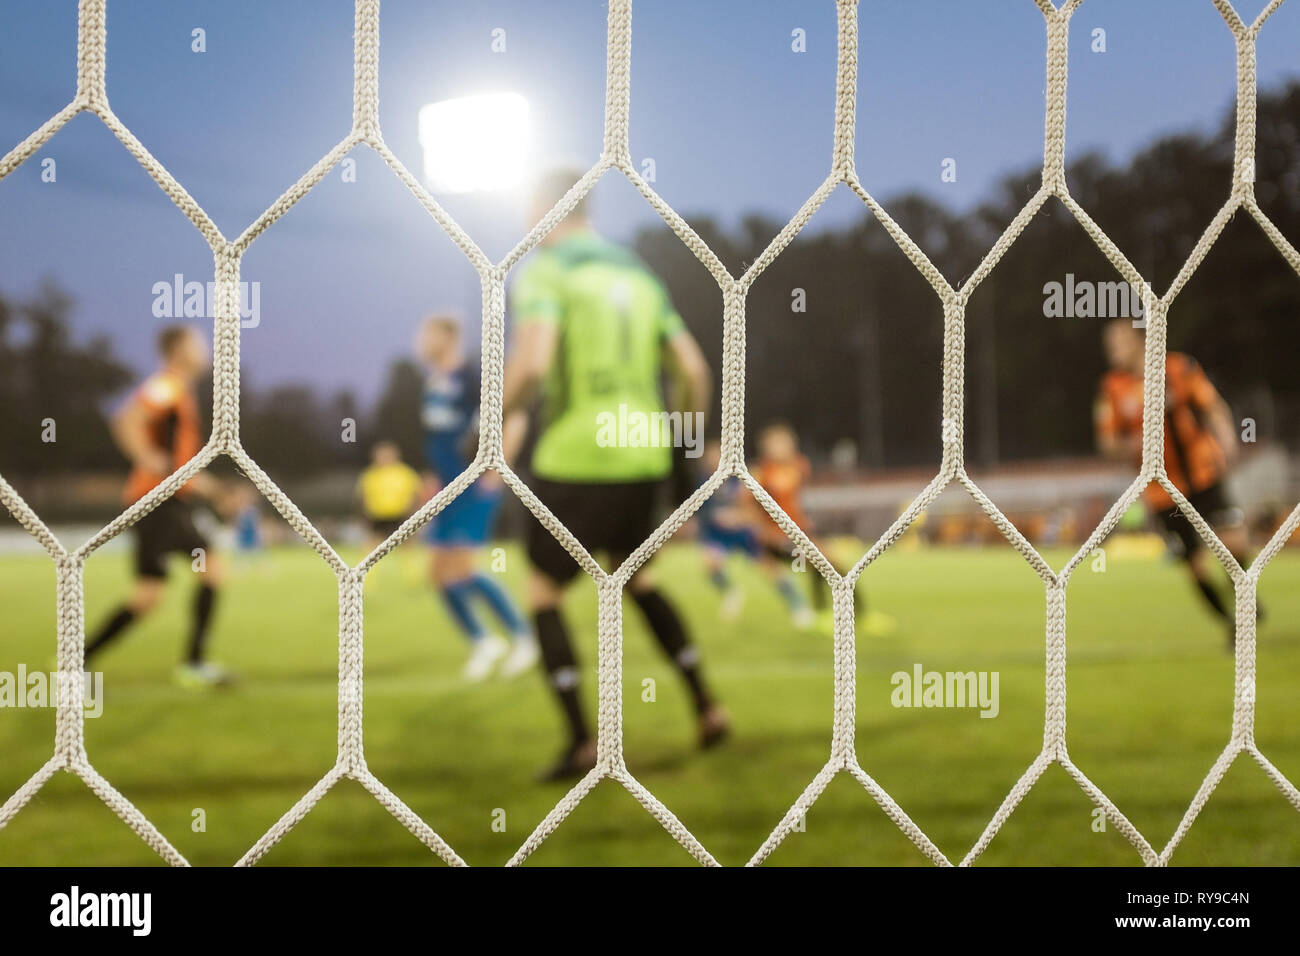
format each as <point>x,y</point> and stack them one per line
<point>759,474</point>
<point>1104,419</point>
<point>1200,390</point>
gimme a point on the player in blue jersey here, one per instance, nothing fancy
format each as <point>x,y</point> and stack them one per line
<point>457,534</point>
<point>726,527</point>
<point>240,500</point>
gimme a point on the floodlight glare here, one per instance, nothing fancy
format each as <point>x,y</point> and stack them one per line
<point>475,143</point>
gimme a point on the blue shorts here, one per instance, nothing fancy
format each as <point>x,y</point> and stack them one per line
<point>729,539</point>
<point>468,521</point>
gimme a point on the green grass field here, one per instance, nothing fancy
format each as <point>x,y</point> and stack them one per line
<point>1150,690</point>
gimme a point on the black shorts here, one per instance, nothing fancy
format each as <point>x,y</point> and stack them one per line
<point>614,518</point>
<point>783,551</point>
<point>168,529</point>
<point>1212,504</point>
<point>383,527</point>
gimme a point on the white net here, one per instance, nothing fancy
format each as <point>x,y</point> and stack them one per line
<point>69,744</point>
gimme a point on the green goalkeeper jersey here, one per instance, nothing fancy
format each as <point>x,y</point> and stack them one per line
<point>603,411</point>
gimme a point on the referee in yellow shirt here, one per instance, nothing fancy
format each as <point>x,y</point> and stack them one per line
<point>387,490</point>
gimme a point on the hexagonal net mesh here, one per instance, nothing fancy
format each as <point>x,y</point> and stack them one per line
<point>69,745</point>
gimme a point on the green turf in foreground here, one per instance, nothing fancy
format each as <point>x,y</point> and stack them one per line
<point>1149,683</point>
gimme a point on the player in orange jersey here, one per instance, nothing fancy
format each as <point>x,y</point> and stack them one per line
<point>1200,445</point>
<point>158,430</point>
<point>727,524</point>
<point>783,471</point>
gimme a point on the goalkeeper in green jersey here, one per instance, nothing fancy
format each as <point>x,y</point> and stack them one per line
<point>595,334</point>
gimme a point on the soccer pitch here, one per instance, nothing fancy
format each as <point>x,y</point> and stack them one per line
<point>1150,696</point>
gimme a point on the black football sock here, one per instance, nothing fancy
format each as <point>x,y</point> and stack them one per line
<point>1212,598</point>
<point>668,630</point>
<point>821,591</point>
<point>204,598</point>
<point>110,629</point>
<point>561,669</point>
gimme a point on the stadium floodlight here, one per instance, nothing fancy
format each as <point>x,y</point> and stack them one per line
<point>475,143</point>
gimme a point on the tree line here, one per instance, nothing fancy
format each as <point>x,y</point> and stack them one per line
<point>862,363</point>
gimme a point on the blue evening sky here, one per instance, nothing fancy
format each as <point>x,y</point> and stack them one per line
<point>735,121</point>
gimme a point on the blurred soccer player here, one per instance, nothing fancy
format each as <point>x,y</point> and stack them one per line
<point>158,431</point>
<point>244,506</point>
<point>595,330</point>
<point>783,471</point>
<point>387,490</point>
<point>458,533</point>
<point>1200,444</point>
<point>238,501</point>
<point>727,527</point>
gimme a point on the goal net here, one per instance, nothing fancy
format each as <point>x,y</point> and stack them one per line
<point>69,743</point>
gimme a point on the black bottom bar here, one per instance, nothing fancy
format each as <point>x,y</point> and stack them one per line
<point>337,905</point>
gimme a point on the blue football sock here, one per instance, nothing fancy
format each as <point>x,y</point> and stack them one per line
<point>793,596</point>
<point>458,597</point>
<point>499,601</point>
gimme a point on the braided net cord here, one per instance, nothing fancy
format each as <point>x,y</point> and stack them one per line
<point>69,743</point>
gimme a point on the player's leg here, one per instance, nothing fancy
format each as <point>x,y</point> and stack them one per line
<point>1229,523</point>
<point>1236,540</point>
<point>453,573</point>
<point>1200,566</point>
<point>552,569</point>
<point>775,562</point>
<point>716,549</point>
<point>481,510</point>
<point>715,562</point>
<point>1186,544</point>
<point>544,596</point>
<point>822,588</point>
<point>205,597</point>
<point>819,591</point>
<point>632,507</point>
<point>502,605</point>
<point>869,621</point>
<point>579,754</point>
<point>150,559</point>
<point>1188,547</point>
<point>145,594</point>
<point>452,564</point>
<point>451,568</point>
<point>196,670</point>
<point>668,629</point>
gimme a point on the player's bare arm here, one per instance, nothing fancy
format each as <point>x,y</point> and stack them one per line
<point>1111,443</point>
<point>131,433</point>
<point>513,431</point>
<point>1223,428</point>
<point>533,350</point>
<point>690,373</point>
